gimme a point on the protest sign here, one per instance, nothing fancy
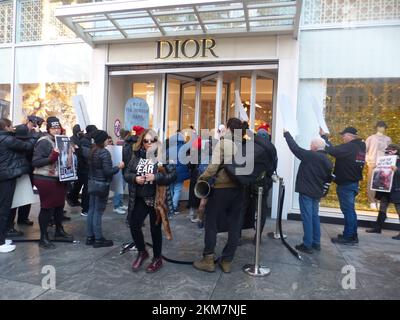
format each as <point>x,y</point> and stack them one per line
<point>117,181</point>
<point>67,163</point>
<point>382,176</point>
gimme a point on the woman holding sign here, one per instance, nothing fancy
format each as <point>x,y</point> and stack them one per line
<point>146,174</point>
<point>52,191</point>
<point>393,196</point>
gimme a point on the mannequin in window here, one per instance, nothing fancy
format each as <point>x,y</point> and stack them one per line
<point>376,145</point>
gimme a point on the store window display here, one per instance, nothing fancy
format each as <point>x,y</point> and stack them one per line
<point>376,146</point>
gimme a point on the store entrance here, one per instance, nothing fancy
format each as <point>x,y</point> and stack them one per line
<point>207,99</point>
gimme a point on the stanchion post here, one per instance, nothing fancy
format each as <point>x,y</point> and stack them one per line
<point>256,269</point>
<point>276,235</point>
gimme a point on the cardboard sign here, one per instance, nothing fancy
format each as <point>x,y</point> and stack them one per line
<point>116,157</point>
<point>288,115</point>
<point>318,110</point>
<point>81,112</point>
<point>23,193</point>
<point>136,113</point>
<point>382,176</point>
<point>67,162</point>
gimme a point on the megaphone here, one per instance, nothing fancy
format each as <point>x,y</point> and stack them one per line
<point>202,189</point>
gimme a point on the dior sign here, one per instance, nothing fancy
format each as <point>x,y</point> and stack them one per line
<point>190,48</point>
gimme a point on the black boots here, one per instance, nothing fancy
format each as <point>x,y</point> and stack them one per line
<point>374,230</point>
<point>44,242</point>
<point>101,243</point>
<point>60,234</point>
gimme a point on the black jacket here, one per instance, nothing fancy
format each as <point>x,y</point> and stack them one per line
<point>127,149</point>
<point>82,153</point>
<point>100,165</point>
<point>350,160</point>
<point>13,162</point>
<point>160,178</point>
<point>315,169</point>
<point>394,195</point>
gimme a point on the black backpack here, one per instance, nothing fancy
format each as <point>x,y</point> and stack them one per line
<point>265,164</point>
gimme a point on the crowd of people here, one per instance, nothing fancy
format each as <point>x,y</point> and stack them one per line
<point>25,150</point>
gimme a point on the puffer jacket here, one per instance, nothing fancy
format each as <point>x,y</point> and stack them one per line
<point>100,165</point>
<point>160,179</point>
<point>127,149</point>
<point>44,159</point>
<point>13,162</point>
<point>176,142</point>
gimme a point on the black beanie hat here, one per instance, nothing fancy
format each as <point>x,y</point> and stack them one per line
<point>100,136</point>
<point>90,129</point>
<point>53,122</point>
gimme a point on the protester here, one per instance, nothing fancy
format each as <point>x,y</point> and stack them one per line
<point>144,174</point>
<point>225,199</point>
<point>385,198</point>
<point>52,192</point>
<point>314,171</point>
<point>22,133</point>
<point>195,160</point>
<point>176,142</point>
<point>12,166</point>
<point>349,164</point>
<point>85,144</point>
<point>101,172</point>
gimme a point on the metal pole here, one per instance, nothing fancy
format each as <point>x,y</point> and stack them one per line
<point>257,270</point>
<point>276,235</point>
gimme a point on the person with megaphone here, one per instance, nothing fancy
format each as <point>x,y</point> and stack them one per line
<point>224,198</point>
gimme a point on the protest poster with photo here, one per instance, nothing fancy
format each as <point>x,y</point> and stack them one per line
<point>382,177</point>
<point>67,163</point>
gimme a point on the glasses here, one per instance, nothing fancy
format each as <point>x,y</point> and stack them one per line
<point>149,141</point>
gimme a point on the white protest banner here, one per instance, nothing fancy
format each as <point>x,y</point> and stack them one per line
<point>81,112</point>
<point>67,162</point>
<point>23,193</point>
<point>287,113</point>
<point>116,157</point>
<point>239,106</point>
<point>318,110</point>
<point>382,176</point>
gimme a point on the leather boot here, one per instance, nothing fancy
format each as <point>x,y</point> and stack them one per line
<point>45,243</point>
<point>60,234</point>
<point>155,265</point>
<point>142,255</point>
<point>225,266</point>
<point>206,263</point>
<point>89,241</point>
<point>374,230</point>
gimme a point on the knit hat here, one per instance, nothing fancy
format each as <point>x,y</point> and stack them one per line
<point>351,130</point>
<point>138,130</point>
<point>53,123</point>
<point>100,136</point>
<point>264,126</point>
<point>263,133</point>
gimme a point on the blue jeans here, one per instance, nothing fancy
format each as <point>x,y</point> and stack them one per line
<point>176,189</point>
<point>347,198</point>
<point>97,205</point>
<point>309,208</point>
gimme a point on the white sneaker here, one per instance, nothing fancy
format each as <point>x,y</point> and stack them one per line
<point>5,248</point>
<point>84,214</point>
<point>119,211</point>
<point>124,207</point>
<point>373,206</point>
<point>195,220</point>
<point>9,241</point>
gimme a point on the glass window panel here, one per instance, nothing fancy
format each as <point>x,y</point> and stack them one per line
<point>5,100</point>
<point>188,106</point>
<point>101,34</point>
<point>176,9</point>
<point>134,22</point>
<point>231,103</point>
<point>6,21</point>
<point>271,23</point>
<point>272,11</point>
<point>145,91</point>
<point>234,25</point>
<point>176,18</point>
<point>207,111</point>
<point>264,102</point>
<point>141,31</point>
<point>174,87</point>
<point>182,28</point>
<point>222,15</point>
<point>50,99</point>
<point>236,5</point>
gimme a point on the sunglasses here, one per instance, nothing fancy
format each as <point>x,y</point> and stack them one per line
<point>149,141</point>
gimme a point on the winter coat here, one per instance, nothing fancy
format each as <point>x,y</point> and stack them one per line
<point>100,165</point>
<point>314,170</point>
<point>85,144</point>
<point>13,162</point>
<point>394,195</point>
<point>176,142</point>
<point>44,159</point>
<point>350,160</point>
<point>160,179</point>
<point>127,149</point>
